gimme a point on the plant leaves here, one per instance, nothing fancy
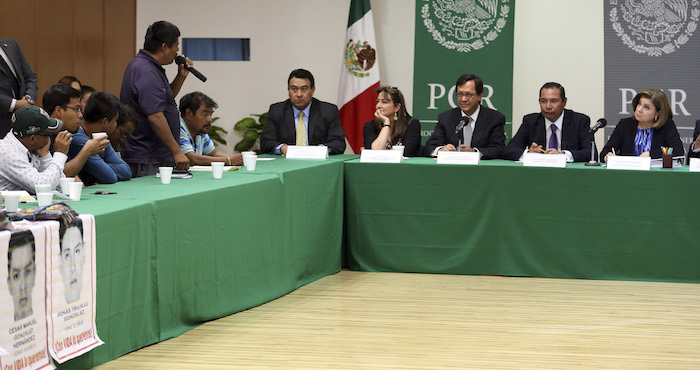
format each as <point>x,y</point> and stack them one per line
<point>251,135</point>
<point>244,124</point>
<point>244,145</point>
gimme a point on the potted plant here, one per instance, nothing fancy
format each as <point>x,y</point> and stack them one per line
<point>251,131</point>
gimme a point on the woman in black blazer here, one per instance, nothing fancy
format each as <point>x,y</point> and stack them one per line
<point>392,125</point>
<point>650,129</point>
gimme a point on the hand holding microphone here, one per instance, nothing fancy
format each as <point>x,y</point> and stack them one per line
<point>181,60</point>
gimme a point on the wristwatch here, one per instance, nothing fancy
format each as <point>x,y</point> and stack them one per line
<point>29,99</point>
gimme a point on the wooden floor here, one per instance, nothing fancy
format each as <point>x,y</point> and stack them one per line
<point>360,320</point>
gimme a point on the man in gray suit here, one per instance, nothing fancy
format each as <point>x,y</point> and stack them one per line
<point>18,84</point>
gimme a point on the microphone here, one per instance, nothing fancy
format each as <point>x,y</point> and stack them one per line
<point>460,126</point>
<point>181,60</point>
<point>600,124</point>
<point>459,131</point>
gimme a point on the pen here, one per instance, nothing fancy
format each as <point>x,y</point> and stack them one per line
<point>541,150</point>
<point>613,151</point>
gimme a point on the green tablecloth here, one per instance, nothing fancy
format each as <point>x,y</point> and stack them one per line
<point>170,257</point>
<point>500,218</point>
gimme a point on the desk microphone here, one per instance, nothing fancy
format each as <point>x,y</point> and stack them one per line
<point>459,131</point>
<point>181,60</point>
<point>600,124</point>
<point>460,126</point>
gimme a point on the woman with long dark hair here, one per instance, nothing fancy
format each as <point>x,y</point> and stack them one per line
<point>392,125</point>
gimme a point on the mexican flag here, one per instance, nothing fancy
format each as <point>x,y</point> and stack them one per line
<point>359,76</point>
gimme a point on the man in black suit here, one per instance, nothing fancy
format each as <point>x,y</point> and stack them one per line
<point>557,129</point>
<point>18,84</point>
<point>302,120</point>
<point>483,129</point>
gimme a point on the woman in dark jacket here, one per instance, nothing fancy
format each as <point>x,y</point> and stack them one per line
<point>647,131</point>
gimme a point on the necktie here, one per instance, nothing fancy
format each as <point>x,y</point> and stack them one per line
<point>301,130</point>
<point>553,142</point>
<point>468,132</point>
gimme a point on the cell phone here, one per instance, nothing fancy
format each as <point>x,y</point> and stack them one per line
<point>103,192</point>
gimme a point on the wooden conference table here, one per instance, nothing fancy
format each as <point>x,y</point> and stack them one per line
<point>500,218</point>
<point>170,257</point>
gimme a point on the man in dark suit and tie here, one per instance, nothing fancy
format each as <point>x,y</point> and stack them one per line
<point>554,130</point>
<point>18,84</point>
<point>484,127</point>
<point>302,120</point>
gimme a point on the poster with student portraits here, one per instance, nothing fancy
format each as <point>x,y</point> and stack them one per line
<point>22,314</point>
<point>70,288</point>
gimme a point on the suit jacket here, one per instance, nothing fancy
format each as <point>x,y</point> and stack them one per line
<point>411,138</point>
<point>26,78</point>
<point>696,132</point>
<point>575,138</point>
<point>622,139</point>
<point>324,127</point>
<point>488,136</point>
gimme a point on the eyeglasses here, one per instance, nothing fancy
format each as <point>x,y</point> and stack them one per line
<point>469,96</point>
<point>76,109</point>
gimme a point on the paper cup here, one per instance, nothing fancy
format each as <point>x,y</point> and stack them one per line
<point>398,147</point>
<point>64,181</point>
<point>246,154</point>
<point>42,188</point>
<point>99,135</point>
<point>252,159</point>
<point>44,199</point>
<point>11,200</point>
<point>217,169</point>
<point>165,174</point>
<point>75,189</point>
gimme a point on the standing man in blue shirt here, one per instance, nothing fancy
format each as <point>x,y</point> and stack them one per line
<point>196,109</point>
<point>101,113</point>
<point>145,88</point>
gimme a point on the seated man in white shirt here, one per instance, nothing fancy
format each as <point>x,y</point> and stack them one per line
<point>483,131</point>
<point>25,159</point>
<point>554,130</point>
<point>196,110</point>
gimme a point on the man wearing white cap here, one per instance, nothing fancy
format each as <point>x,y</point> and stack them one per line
<point>25,159</point>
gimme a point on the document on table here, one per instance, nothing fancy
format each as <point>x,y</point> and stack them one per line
<point>208,168</point>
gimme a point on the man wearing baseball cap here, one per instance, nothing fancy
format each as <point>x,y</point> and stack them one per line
<point>25,160</point>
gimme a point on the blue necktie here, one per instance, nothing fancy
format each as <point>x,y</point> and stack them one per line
<point>553,142</point>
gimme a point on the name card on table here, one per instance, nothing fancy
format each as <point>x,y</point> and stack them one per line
<point>626,162</point>
<point>470,158</point>
<point>381,156</point>
<point>694,165</point>
<point>307,152</point>
<point>544,160</point>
